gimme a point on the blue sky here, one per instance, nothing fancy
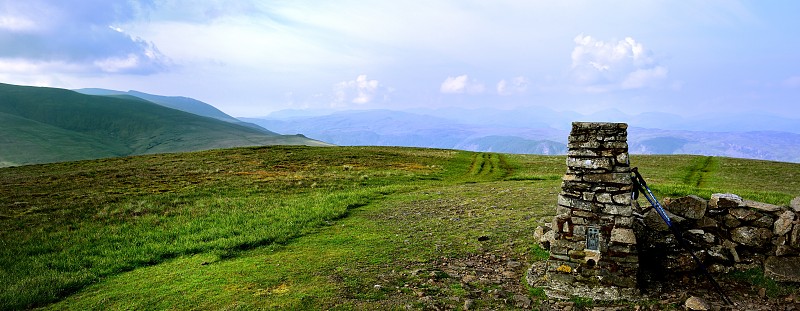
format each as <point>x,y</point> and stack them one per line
<point>250,58</point>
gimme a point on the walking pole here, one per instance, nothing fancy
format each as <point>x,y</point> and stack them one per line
<point>642,187</point>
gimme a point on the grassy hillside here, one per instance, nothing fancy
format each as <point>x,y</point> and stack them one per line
<point>302,227</point>
<point>48,124</point>
<point>181,103</point>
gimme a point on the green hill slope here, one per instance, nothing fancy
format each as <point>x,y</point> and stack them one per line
<point>49,124</point>
<point>181,103</point>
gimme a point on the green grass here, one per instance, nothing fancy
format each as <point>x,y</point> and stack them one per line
<point>756,278</point>
<point>294,227</point>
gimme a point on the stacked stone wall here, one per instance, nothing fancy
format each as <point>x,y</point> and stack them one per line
<point>593,252</point>
<point>727,233</point>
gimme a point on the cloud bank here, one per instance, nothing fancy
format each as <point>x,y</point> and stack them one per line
<point>604,66</point>
<point>76,37</point>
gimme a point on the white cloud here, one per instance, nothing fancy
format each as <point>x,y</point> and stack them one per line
<point>626,64</point>
<point>460,85</point>
<point>517,85</point>
<point>359,91</point>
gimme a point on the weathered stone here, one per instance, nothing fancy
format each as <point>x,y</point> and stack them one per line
<point>603,198</point>
<point>583,145</point>
<point>795,204</point>
<point>692,207</point>
<point>547,239</point>
<point>624,199</point>
<point>731,222</point>
<point>718,253</point>
<point>622,158</point>
<point>794,237</point>
<point>707,222</point>
<point>784,223</point>
<point>696,304</point>
<point>744,214</point>
<point>623,235</point>
<point>751,236</point>
<point>763,207</point>
<point>623,221</point>
<point>575,203</point>
<point>589,163</point>
<point>785,250</point>
<point>653,221</point>
<point>724,200</point>
<point>539,232</point>
<point>764,222</point>
<point>612,178</point>
<point>622,210</point>
<point>582,152</point>
<point>731,247</point>
<point>571,177</point>
<point>782,269</point>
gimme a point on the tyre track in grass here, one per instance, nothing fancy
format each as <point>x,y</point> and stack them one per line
<point>700,171</point>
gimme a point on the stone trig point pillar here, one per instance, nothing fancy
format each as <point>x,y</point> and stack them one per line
<point>593,254</point>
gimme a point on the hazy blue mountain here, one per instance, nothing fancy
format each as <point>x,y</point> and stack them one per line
<point>397,128</point>
<point>186,104</point>
<point>39,125</point>
<point>544,131</point>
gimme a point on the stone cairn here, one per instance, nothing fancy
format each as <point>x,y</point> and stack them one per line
<point>593,251</point>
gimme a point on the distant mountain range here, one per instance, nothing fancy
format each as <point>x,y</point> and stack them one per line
<point>39,125</point>
<point>545,131</point>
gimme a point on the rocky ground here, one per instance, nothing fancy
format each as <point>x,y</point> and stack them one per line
<point>495,280</point>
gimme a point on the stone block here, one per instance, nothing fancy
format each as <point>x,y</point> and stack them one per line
<point>571,177</point>
<point>574,203</point>
<point>782,269</point>
<point>623,235</point>
<point>765,221</point>
<point>604,198</point>
<point>624,198</point>
<point>785,250</point>
<point>582,152</point>
<point>744,214</point>
<point>725,200</point>
<point>784,223</point>
<point>751,236</point>
<point>763,207</point>
<point>707,222</point>
<point>584,145</point>
<point>691,207</point>
<point>623,221</point>
<point>795,204</point>
<point>794,237</point>
<point>622,159</point>
<point>611,178</point>
<point>730,221</point>
<point>589,163</point>
<point>614,209</point>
